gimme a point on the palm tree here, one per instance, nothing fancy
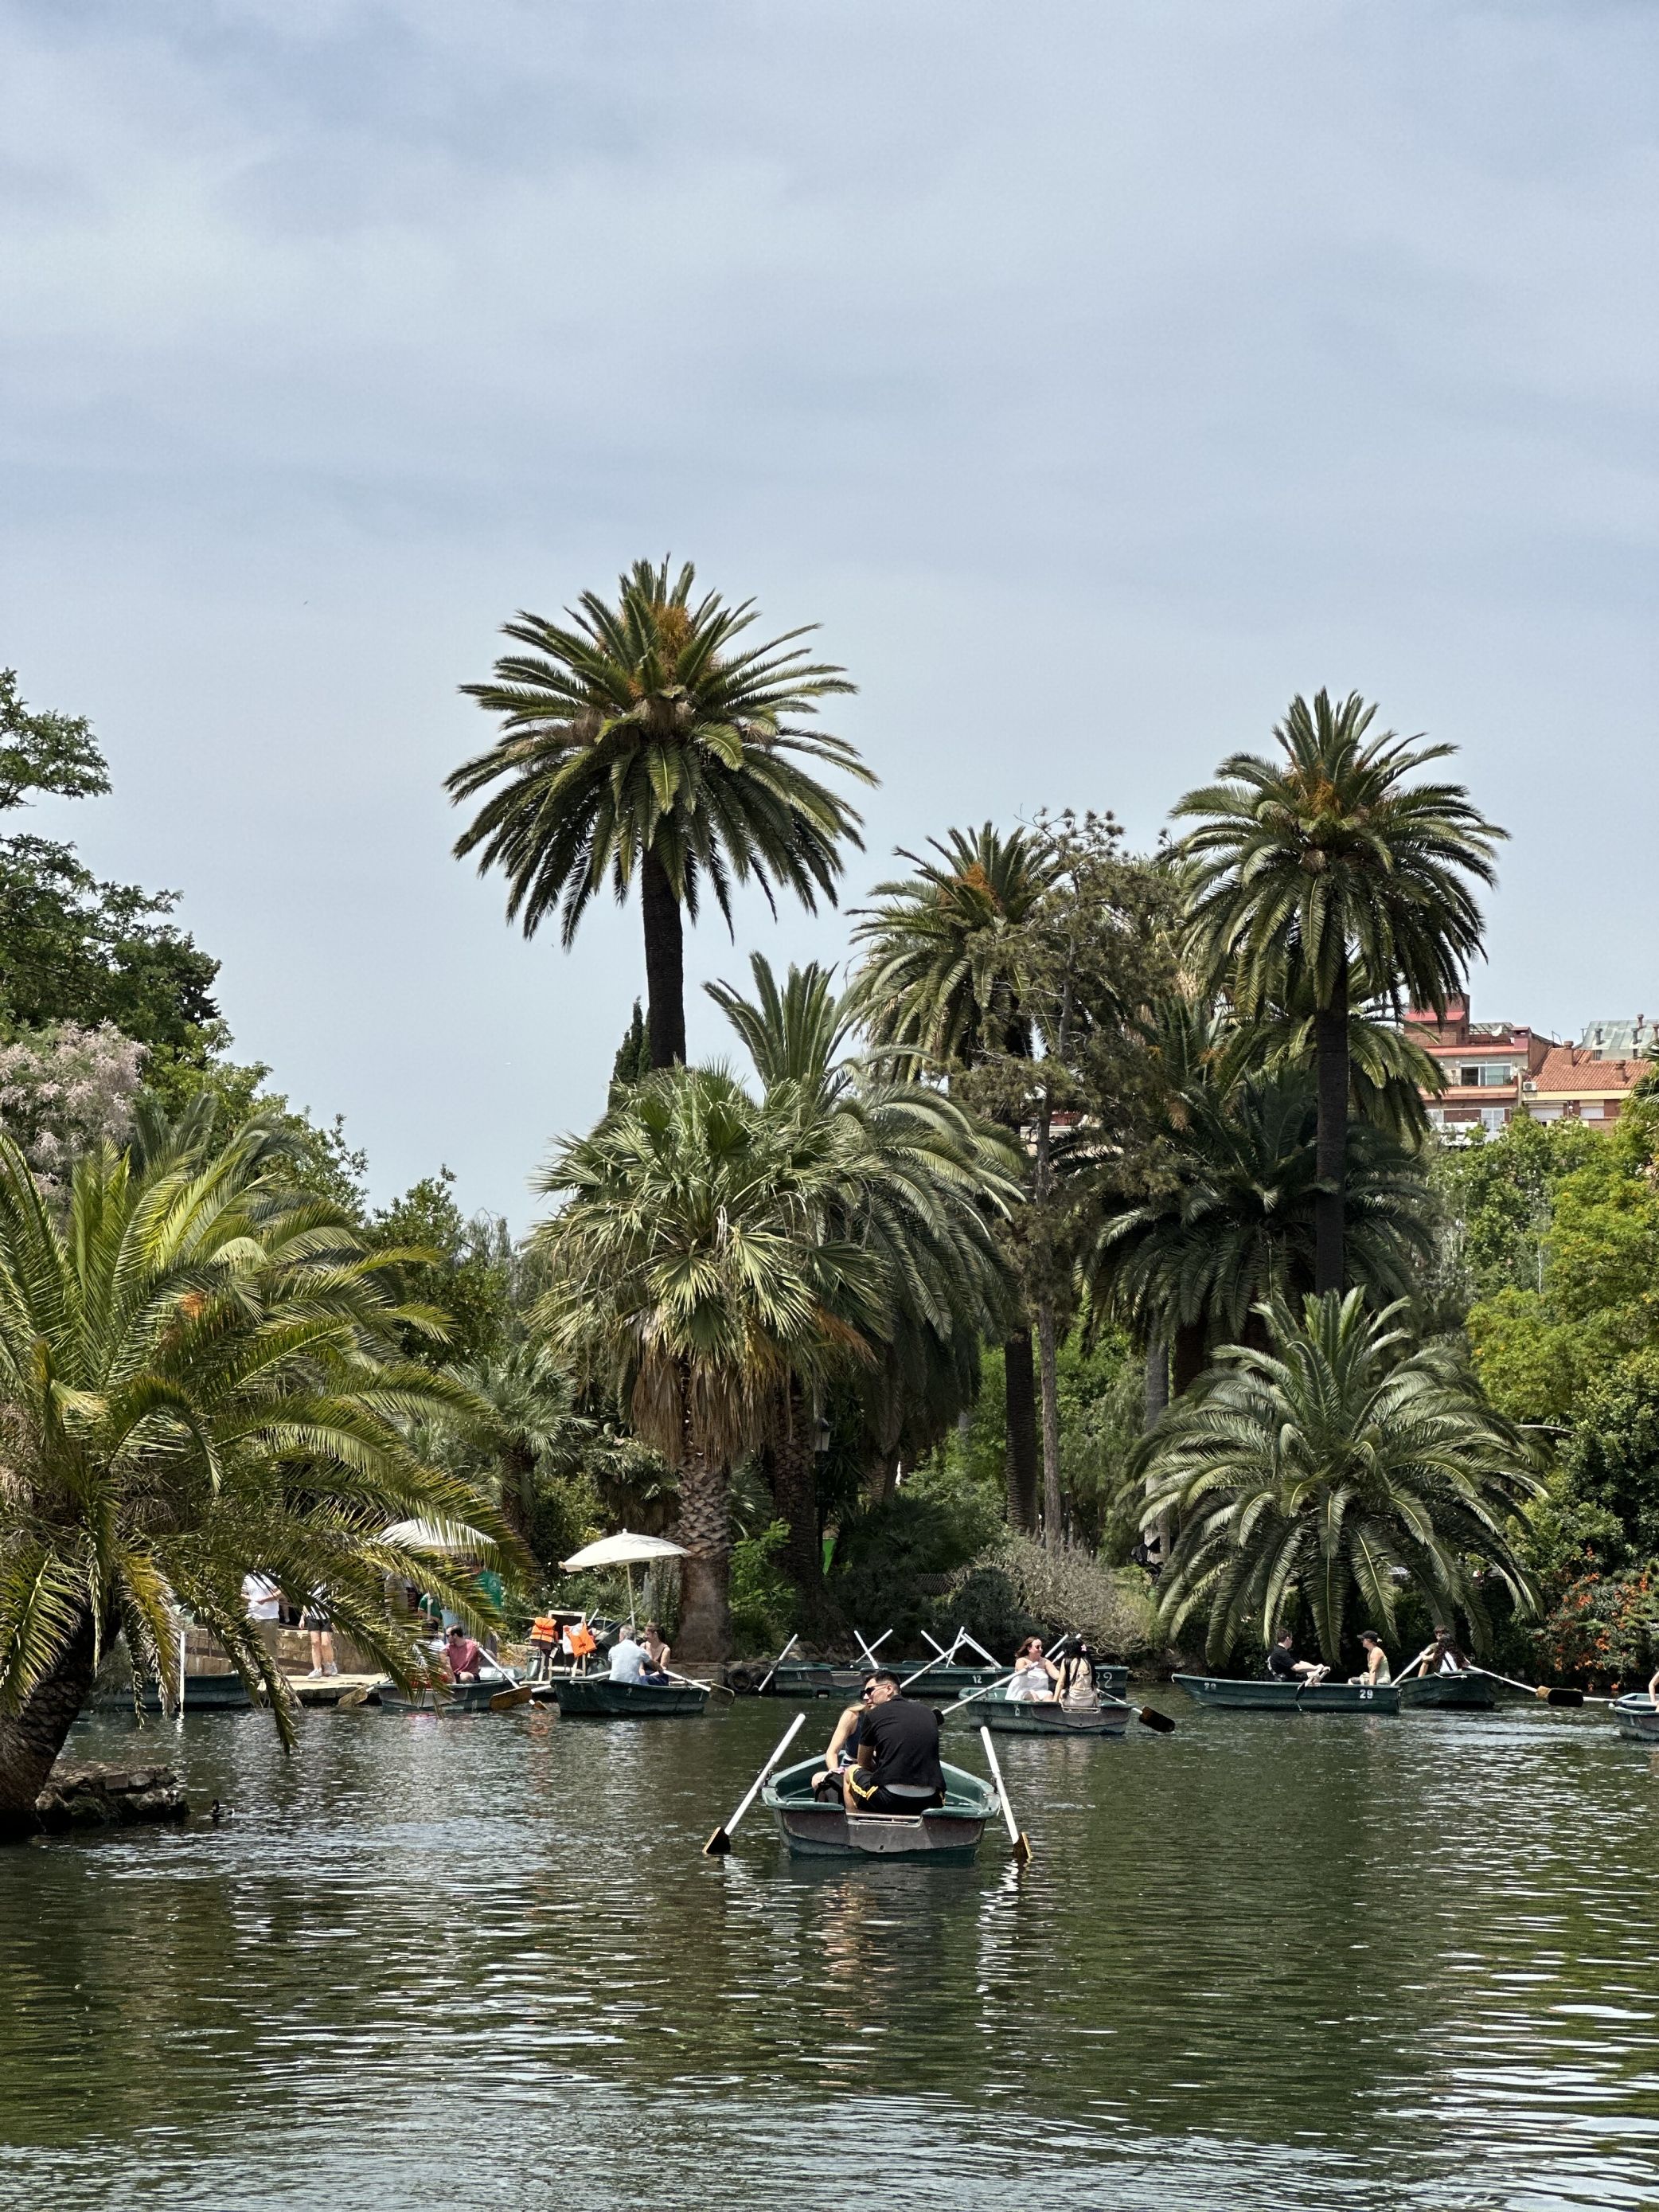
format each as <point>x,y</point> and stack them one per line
<point>644,739</point>
<point>919,1182</point>
<point>1327,866</point>
<point>1342,1461</point>
<point>940,984</point>
<point>199,1378</point>
<point>691,1276</point>
<point>1232,1221</point>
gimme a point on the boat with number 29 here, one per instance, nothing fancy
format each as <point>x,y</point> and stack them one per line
<point>1267,1695</point>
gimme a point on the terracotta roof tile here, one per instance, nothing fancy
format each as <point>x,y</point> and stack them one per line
<point>1571,1068</point>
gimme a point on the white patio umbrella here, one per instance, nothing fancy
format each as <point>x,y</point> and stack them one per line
<point>625,1550</point>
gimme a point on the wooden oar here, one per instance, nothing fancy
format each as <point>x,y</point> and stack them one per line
<point>776,1663</point>
<point>1016,1834</point>
<point>1541,1690</point>
<point>984,1691</point>
<point>349,1700</point>
<point>692,1683</point>
<point>721,1842</point>
<point>516,1693</point>
<point>870,1649</point>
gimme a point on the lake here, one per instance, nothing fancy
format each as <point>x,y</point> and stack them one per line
<point>1268,1962</point>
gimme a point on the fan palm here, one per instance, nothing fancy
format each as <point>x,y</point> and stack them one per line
<point>691,1275</point>
<point>199,1377</point>
<point>1233,1221</point>
<point>940,982</point>
<point>645,737</point>
<point>1329,868</point>
<point>919,1183</point>
<point>1342,1461</point>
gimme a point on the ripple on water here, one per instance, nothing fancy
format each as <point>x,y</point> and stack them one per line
<point>1265,1962</point>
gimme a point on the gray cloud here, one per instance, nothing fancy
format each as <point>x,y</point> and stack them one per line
<point>1098,375</point>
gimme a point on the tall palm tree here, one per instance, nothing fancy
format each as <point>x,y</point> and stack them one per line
<point>1233,1220</point>
<point>1326,865</point>
<point>199,1377</point>
<point>920,1183</point>
<point>690,1273</point>
<point>1342,1461</point>
<point>645,738</point>
<point>939,981</point>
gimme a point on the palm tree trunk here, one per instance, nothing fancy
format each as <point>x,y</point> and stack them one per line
<point>1053,1509</point>
<point>1331,1149</point>
<point>795,1494</point>
<point>705,1530</point>
<point>1189,1362</point>
<point>665,964</point>
<point>1020,1378</point>
<point>1157,1382</point>
<point>32,1737</point>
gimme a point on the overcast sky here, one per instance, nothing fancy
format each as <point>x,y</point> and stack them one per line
<point>1097,375</point>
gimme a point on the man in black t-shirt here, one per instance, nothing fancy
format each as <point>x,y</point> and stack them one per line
<point>898,1768</point>
<point>1284,1667</point>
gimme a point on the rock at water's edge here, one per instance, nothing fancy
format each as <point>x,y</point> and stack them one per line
<point>95,1796</point>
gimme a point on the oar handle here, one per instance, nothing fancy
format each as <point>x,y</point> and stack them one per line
<point>783,1744</point>
<point>777,1663</point>
<point>1022,1849</point>
<point>984,1691</point>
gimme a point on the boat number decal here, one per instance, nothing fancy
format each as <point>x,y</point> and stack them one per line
<point>1364,1696</point>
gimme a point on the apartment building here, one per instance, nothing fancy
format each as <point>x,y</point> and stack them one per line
<point>1495,1070</point>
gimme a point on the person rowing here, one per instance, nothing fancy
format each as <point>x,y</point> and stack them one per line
<point>465,1658</point>
<point>843,1747</point>
<point>898,1769</point>
<point>1074,1683</point>
<point>1284,1666</point>
<point>1034,1677</point>
<point>1442,1656</point>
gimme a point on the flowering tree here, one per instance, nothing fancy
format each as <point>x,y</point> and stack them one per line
<point>65,1089</point>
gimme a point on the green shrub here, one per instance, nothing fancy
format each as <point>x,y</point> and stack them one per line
<point>763,1598</point>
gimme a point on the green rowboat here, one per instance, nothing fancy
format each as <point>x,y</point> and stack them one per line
<point>599,1698</point>
<point>1270,1697</point>
<point>815,1678</point>
<point>1015,1716</point>
<point>946,1835</point>
<point>1637,1717</point>
<point>452,1697</point>
<point>1466,1692</point>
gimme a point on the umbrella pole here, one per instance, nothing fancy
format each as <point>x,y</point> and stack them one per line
<point>628,1571</point>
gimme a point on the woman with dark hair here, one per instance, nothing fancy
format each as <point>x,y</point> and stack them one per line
<point>1034,1677</point>
<point>1075,1685</point>
<point>1376,1676</point>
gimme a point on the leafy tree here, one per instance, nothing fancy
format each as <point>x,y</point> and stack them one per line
<point>1340,1463</point>
<point>689,1276</point>
<point>74,949</point>
<point>940,984</point>
<point>65,1091</point>
<point>467,1268</point>
<point>649,738</point>
<point>633,1061</point>
<point>200,1378</point>
<point>919,1182</point>
<point>1327,876</point>
<point>1232,1219</point>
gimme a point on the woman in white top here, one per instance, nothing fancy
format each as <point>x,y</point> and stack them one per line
<point>1033,1677</point>
<point>1375,1676</point>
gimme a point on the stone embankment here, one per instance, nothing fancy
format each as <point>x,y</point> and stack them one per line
<point>99,1796</point>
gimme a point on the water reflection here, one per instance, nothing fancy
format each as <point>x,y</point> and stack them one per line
<point>1269,1962</point>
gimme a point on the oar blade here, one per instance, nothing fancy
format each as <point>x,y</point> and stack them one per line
<point>1160,1723</point>
<point>504,1700</point>
<point>718,1845</point>
<point>1021,1853</point>
<point>1562,1697</point>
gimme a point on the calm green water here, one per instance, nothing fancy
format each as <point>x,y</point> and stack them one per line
<point>481,1963</point>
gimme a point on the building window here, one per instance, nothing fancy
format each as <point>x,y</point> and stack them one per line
<point>1492,1118</point>
<point>1468,1078</point>
<point>1498,1071</point>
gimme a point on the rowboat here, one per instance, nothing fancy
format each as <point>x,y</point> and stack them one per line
<point>1466,1692</point>
<point>815,1678</point>
<point>468,1696</point>
<point>203,1693</point>
<point>599,1697</point>
<point>1018,1717</point>
<point>1638,1717</point>
<point>946,1835</point>
<point>1265,1696</point>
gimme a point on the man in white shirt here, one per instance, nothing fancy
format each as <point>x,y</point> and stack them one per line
<point>262,1598</point>
<point>627,1658</point>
